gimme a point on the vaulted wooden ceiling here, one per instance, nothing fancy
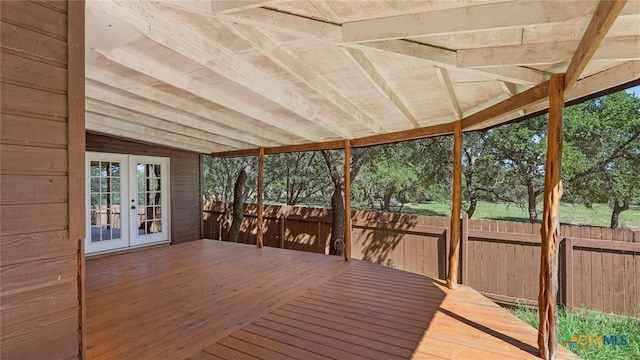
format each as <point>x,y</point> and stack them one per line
<point>212,76</point>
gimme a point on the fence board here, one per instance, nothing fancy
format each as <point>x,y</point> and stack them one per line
<point>600,267</point>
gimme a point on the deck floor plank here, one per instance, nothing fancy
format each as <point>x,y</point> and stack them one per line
<point>208,300</point>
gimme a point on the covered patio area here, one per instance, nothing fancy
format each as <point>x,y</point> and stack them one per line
<point>217,300</point>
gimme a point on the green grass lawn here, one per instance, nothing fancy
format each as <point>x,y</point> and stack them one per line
<point>593,323</point>
<point>570,214</point>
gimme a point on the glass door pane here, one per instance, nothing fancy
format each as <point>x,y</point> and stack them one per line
<point>107,220</point>
<point>150,187</point>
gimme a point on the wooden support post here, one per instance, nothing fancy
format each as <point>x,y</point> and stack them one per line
<point>259,239</point>
<point>347,200</point>
<point>454,245</point>
<point>550,230</point>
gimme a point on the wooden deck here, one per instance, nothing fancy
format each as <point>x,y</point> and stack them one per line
<point>216,300</point>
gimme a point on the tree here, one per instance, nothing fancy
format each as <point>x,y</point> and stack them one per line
<point>238,208</point>
<point>408,171</point>
<point>520,149</point>
<point>219,175</point>
<point>602,152</point>
<point>292,178</point>
<point>332,157</point>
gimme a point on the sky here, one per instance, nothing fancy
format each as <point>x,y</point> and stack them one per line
<point>634,90</point>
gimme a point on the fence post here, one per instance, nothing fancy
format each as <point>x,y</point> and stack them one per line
<point>568,272</point>
<point>464,243</point>
<point>282,231</point>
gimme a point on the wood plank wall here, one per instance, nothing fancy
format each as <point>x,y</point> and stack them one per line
<point>41,135</point>
<point>186,203</point>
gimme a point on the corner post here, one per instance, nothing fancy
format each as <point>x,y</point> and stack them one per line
<point>347,200</point>
<point>454,244</point>
<point>259,235</point>
<point>550,230</point>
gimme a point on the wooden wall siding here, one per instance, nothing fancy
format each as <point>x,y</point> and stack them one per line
<point>599,268</point>
<point>39,291</point>
<point>186,203</point>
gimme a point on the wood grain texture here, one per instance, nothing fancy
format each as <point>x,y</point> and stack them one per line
<point>454,246</point>
<point>39,262</point>
<point>310,306</point>
<point>550,232</point>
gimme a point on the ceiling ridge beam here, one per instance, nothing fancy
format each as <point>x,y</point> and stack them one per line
<point>163,73</point>
<point>108,109</point>
<point>462,19</point>
<point>185,41</point>
<point>602,20</point>
<point>218,6</point>
<point>278,54</point>
<point>150,93</point>
<point>367,67</point>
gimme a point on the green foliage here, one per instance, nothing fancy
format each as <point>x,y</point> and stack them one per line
<point>602,151</point>
<point>294,178</point>
<point>592,323</point>
<point>219,176</point>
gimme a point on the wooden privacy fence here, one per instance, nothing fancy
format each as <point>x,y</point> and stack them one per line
<point>600,268</point>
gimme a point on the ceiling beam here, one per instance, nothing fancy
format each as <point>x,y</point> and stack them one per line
<point>447,86</point>
<point>104,125</point>
<point>513,14</point>
<point>215,117</point>
<point>288,61</point>
<point>328,145</point>
<point>623,48</point>
<point>169,76</point>
<point>448,59</point>
<point>288,24</point>
<point>513,103</point>
<point>602,20</point>
<point>168,126</point>
<point>361,60</point>
<point>332,33</point>
<point>166,29</point>
<point>217,6</point>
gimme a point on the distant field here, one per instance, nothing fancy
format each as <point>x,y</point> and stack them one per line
<point>598,215</point>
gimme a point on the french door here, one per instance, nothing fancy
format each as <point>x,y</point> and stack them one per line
<point>127,201</point>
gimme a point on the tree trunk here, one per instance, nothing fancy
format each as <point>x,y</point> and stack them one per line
<point>238,210</point>
<point>617,209</point>
<point>386,198</point>
<point>532,194</point>
<point>471,189</point>
<point>473,202</point>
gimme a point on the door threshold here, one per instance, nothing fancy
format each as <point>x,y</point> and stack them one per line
<point>100,254</point>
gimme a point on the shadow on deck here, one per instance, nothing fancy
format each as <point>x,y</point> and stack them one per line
<point>216,300</point>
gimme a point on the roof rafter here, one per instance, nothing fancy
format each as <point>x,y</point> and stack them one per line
<point>158,71</point>
<point>463,19</point>
<point>218,6</point>
<point>180,132</point>
<point>184,40</point>
<point>183,105</point>
<point>602,20</point>
<point>447,86</point>
<point>121,128</point>
<point>109,103</point>
<point>271,49</point>
<point>370,71</point>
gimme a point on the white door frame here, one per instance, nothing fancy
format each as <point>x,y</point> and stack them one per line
<point>137,236</point>
<point>129,237</point>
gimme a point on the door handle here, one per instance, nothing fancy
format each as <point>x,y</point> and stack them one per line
<point>133,207</point>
